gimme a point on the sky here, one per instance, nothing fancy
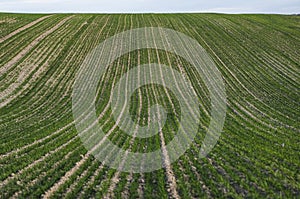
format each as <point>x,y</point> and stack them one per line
<point>137,6</point>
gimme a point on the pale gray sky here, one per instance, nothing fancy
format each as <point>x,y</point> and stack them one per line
<point>113,6</point>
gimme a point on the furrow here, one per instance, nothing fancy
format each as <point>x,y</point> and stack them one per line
<point>23,28</point>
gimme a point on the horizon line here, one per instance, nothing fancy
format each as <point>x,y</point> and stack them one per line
<point>150,12</point>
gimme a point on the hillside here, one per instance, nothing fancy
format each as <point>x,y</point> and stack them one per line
<point>256,156</point>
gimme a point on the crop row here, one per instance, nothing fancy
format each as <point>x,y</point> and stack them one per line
<point>256,156</point>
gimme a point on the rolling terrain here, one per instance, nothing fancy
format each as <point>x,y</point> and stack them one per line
<point>257,155</point>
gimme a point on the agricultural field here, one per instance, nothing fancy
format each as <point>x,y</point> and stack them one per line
<point>256,156</point>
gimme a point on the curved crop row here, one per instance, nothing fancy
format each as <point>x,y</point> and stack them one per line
<point>42,155</point>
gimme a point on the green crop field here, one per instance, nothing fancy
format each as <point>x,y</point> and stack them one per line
<point>256,156</point>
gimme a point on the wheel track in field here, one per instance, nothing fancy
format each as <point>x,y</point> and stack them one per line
<point>31,46</point>
<point>117,174</point>
<point>51,135</point>
<point>23,53</point>
<point>4,182</point>
<point>278,70</point>
<point>91,180</point>
<point>223,64</point>
<point>64,178</point>
<point>23,28</point>
<point>169,172</point>
<point>165,152</point>
<point>182,70</point>
<point>125,193</point>
<point>115,178</point>
<point>78,164</point>
<point>40,97</point>
<point>166,159</point>
<point>37,99</point>
<point>43,175</point>
<point>286,70</point>
<point>235,78</point>
<point>232,145</point>
<point>34,70</point>
<point>243,117</point>
<point>242,114</point>
<point>38,141</point>
<point>40,159</point>
<point>84,174</point>
<point>223,171</point>
<point>195,174</point>
<point>34,57</point>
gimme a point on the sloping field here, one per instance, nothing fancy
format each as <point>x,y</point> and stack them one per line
<point>257,155</point>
